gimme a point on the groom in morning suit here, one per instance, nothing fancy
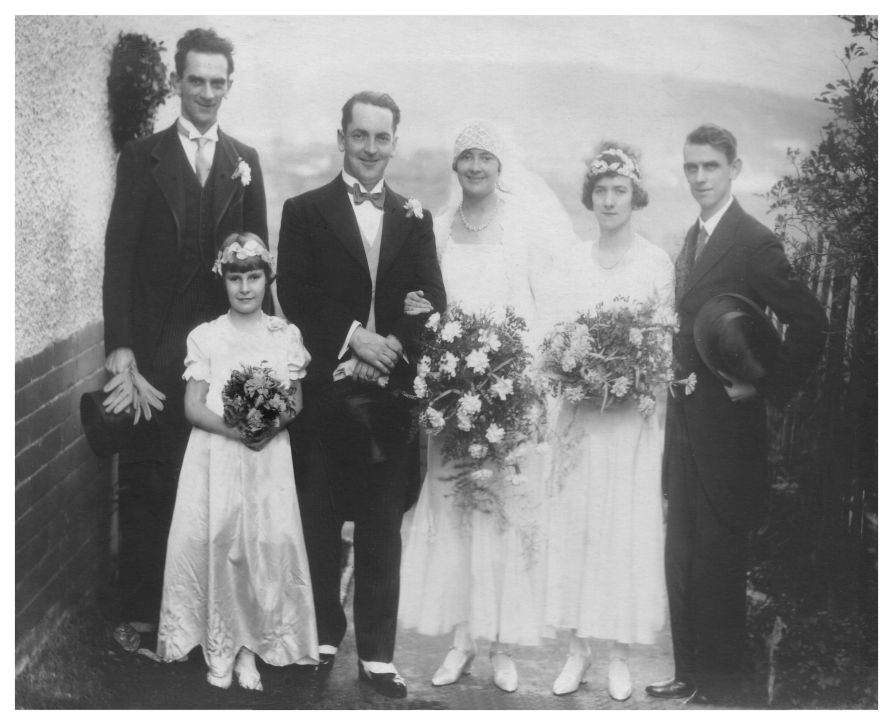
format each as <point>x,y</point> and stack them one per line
<point>715,459</point>
<point>178,194</point>
<point>348,254</point>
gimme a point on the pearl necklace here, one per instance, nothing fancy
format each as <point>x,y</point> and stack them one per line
<point>619,259</point>
<point>470,227</point>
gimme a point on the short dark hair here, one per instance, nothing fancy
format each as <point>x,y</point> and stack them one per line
<point>248,265</point>
<point>640,196</point>
<point>201,40</point>
<point>709,134</point>
<point>373,98</point>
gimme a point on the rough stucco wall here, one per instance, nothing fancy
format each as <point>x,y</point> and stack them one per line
<point>65,174</point>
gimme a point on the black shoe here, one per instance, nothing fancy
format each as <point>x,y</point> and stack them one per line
<point>389,684</point>
<point>672,688</point>
<point>326,662</point>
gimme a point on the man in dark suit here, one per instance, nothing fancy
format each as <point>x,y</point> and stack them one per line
<point>348,254</point>
<point>178,194</point>
<point>715,462</point>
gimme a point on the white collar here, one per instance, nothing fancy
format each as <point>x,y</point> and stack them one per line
<point>350,181</point>
<point>710,225</point>
<point>210,134</point>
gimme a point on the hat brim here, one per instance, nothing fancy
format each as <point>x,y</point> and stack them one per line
<point>106,433</point>
<point>734,336</point>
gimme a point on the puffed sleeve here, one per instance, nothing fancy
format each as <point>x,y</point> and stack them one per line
<point>198,362</point>
<point>298,356</point>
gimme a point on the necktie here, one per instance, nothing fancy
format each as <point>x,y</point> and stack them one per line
<point>702,241</point>
<point>359,196</point>
<point>202,164</point>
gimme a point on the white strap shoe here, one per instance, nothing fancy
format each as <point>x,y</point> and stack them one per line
<point>505,676</point>
<point>620,685</point>
<point>572,675</point>
<point>456,663</point>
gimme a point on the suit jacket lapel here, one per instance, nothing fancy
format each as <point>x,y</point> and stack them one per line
<point>341,220</point>
<point>685,261</point>
<point>168,153</point>
<point>718,246</point>
<point>225,186</point>
<point>393,231</point>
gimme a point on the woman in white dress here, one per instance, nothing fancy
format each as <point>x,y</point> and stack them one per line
<point>604,567</point>
<point>464,571</point>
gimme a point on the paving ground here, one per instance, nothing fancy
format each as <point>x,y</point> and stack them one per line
<point>98,674</point>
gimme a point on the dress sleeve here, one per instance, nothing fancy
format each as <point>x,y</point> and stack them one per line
<point>198,362</point>
<point>298,356</point>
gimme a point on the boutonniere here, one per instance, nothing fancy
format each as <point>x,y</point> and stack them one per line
<point>413,208</point>
<point>242,172</point>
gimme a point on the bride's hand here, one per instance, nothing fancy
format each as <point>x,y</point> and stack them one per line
<point>416,304</point>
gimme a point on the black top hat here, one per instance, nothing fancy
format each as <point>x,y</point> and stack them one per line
<point>106,432</point>
<point>732,334</point>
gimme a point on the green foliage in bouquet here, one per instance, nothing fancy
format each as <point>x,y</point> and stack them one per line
<point>611,355</point>
<point>253,400</point>
<point>474,390</point>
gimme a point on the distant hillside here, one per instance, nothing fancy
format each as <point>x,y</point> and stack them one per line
<point>558,112</point>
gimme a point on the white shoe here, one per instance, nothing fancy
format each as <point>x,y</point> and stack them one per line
<point>572,675</point>
<point>455,664</point>
<point>620,685</point>
<point>505,676</point>
<point>246,672</point>
<point>222,681</point>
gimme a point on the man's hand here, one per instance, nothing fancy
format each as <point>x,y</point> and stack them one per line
<point>416,304</point>
<point>119,360</point>
<point>737,390</point>
<point>368,374</point>
<point>380,352</point>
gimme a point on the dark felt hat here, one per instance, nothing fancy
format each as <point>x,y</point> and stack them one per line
<point>734,335</point>
<point>106,432</point>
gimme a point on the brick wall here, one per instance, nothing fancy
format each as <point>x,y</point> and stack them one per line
<point>63,491</point>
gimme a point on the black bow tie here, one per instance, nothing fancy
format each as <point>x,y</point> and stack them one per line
<point>359,196</point>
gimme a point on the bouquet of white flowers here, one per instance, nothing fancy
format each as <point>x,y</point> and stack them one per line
<point>612,354</point>
<point>474,390</point>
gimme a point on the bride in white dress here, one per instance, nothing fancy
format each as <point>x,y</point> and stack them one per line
<point>604,567</point>
<point>462,570</point>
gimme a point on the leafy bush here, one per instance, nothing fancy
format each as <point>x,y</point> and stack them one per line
<point>137,86</point>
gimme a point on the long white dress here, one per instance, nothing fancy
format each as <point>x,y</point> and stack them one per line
<point>604,564</point>
<point>236,573</point>
<point>459,565</point>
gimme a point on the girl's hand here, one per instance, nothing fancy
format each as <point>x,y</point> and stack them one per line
<point>416,304</point>
<point>258,443</point>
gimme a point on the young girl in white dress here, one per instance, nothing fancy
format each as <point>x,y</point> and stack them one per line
<point>604,568</point>
<point>236,578</point>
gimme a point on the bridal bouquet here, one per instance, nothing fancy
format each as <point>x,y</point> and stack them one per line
<point>253,399</point>
<point>474,390</point>
<point>612,355</point>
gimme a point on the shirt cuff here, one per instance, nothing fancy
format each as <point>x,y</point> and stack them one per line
<point>354,325</point>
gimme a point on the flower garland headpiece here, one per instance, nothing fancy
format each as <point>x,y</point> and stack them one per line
<point>614,161</point>
<point>234,251</point>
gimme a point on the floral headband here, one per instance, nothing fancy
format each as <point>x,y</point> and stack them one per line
<point>251,248</point>
<point>614,161</point>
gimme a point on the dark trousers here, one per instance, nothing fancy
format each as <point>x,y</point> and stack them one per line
<point>706,570</point>
<point>147,491</point>
<point>330,492</point>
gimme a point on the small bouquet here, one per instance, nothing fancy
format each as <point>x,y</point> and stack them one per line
<point>253,399</point>
<point>474,390</point>
<point>613,355</point>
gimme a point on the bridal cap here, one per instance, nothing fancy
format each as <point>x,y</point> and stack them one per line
<point>479,135</point>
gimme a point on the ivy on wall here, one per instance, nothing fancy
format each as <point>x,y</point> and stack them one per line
<point>137,86</point>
